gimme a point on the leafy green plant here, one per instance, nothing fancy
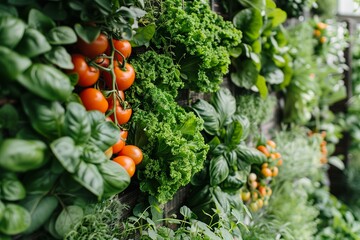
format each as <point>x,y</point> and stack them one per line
<point>294,8</point>
<point>201,41</point>
<point>174,149</point>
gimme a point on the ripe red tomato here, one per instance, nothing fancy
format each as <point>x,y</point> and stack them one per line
<point>122,115</point>
<point>132,151</point>
<point>88,75</point>
<point>124,47</point>
<point>104,62</point>
<point>95,48</point>
<point>124,77</point>
<point>93,99</point>
<point>110,99</point>
<point>127,163</point>
<point>119,145</point>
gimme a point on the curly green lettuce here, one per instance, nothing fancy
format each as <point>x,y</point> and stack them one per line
<point>170,137</point>
<point>201,41</point>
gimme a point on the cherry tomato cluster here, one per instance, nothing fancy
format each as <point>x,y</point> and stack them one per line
<point>320,32</point>
<point>257,191</point>
<point>323,148</point>
<point>104,75</point>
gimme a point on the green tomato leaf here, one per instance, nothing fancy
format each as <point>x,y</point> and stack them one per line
<point>89,176</point>
<point>12,64</point>
<point>61,35</point>
<point>87,33</point>
<point>60,57</point>
<point>67,153</point>
<point>143,36</point>
<point>76,123</point>
<point>250,22</point>
<point>116,179</point>
<point>40,208</point>
<point>250,155</point>
<point>225,105</point>
<point>219,170</point>
<point>104,134</point>
<point>92,154</point>
<point>261,86</point>
<point>246,73</point>
<point>208,113</point>
<point>47,82</point>
<point>33,43</point>
<point>68,217</point>
<point>21,155</point>
<point>46,117</point>
<point>11,31</point>
<point>15,220</point>
<point>40,21</point>
<point>12,189</point>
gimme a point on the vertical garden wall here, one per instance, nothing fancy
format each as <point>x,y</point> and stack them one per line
<point>177,119</point>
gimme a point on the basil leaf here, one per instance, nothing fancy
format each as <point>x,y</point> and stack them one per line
<point>21,155</point>
<point>67,153</point>
<point>40,208</point>
<point>76,123</point>
<point>92,154</point>
<point>116,179</point>
<point>33,43</point>
<point>46,117</point>
<point>225,104</point>
<point>219,170</point>
<point>47,82</point>
<point>40,21</point>
<point>250,155</point>
<point>12,64</point>
<point>68,217</point>
<point>233,134</point>
<point>208,113</point>
<point>15,220</point>
<point>246,73</point>
<point>104,135</point>
<point>250,22</point>
<point>39,182</point>
<point>61,35</point>
<point>89,176</point>
<point>12,189</point>
<point>11,31</point>
<point>60,57</point>
<point>87,33</point>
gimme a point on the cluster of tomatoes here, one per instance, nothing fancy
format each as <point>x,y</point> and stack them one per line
<point>323,148</point>
<point>257,191</point>
<point>320,32</point>
<point>104,75</point>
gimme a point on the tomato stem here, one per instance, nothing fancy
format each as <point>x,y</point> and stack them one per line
<point>113,79</point>
<point>123,63</point>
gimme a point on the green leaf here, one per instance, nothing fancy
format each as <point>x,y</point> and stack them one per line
<point>87,33</point>
<point>2,209</point>
<point>219,170</point>
<point>46,117</point>
<point>104,5</point>
<point>33,43</point>
<point>250,155</point>
<point>249,21</point>
<point>60,57</point>
<point>12,64</point>
<point>89,176</point>
<point>11,31</point>
<point>116,179</point>
<point>12,189</point>
<point>15,220</point>
<point>56,10</point>
<point>68,217</point>
<point>40,182</point>
<point>208,113</point>
<point>246,73</point>
<point>47,82</point>
<point>8,10</point>
<point>277,16</point>
<point>225,105</point>
<point>337,162</point>
<point>40,21</point>
<point>273,74</point>
<point>9,118</point>
<point>40,208</point>
<point>233,134</point>
<point>104,135</point>
<point>67,153</point>
<point>21,2</point>
<point>261,86</point>
<point>92,154</point>
<point>76,123</point>
<point>21,155</point>
<point>61,35</point>
<point>143,36</point>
